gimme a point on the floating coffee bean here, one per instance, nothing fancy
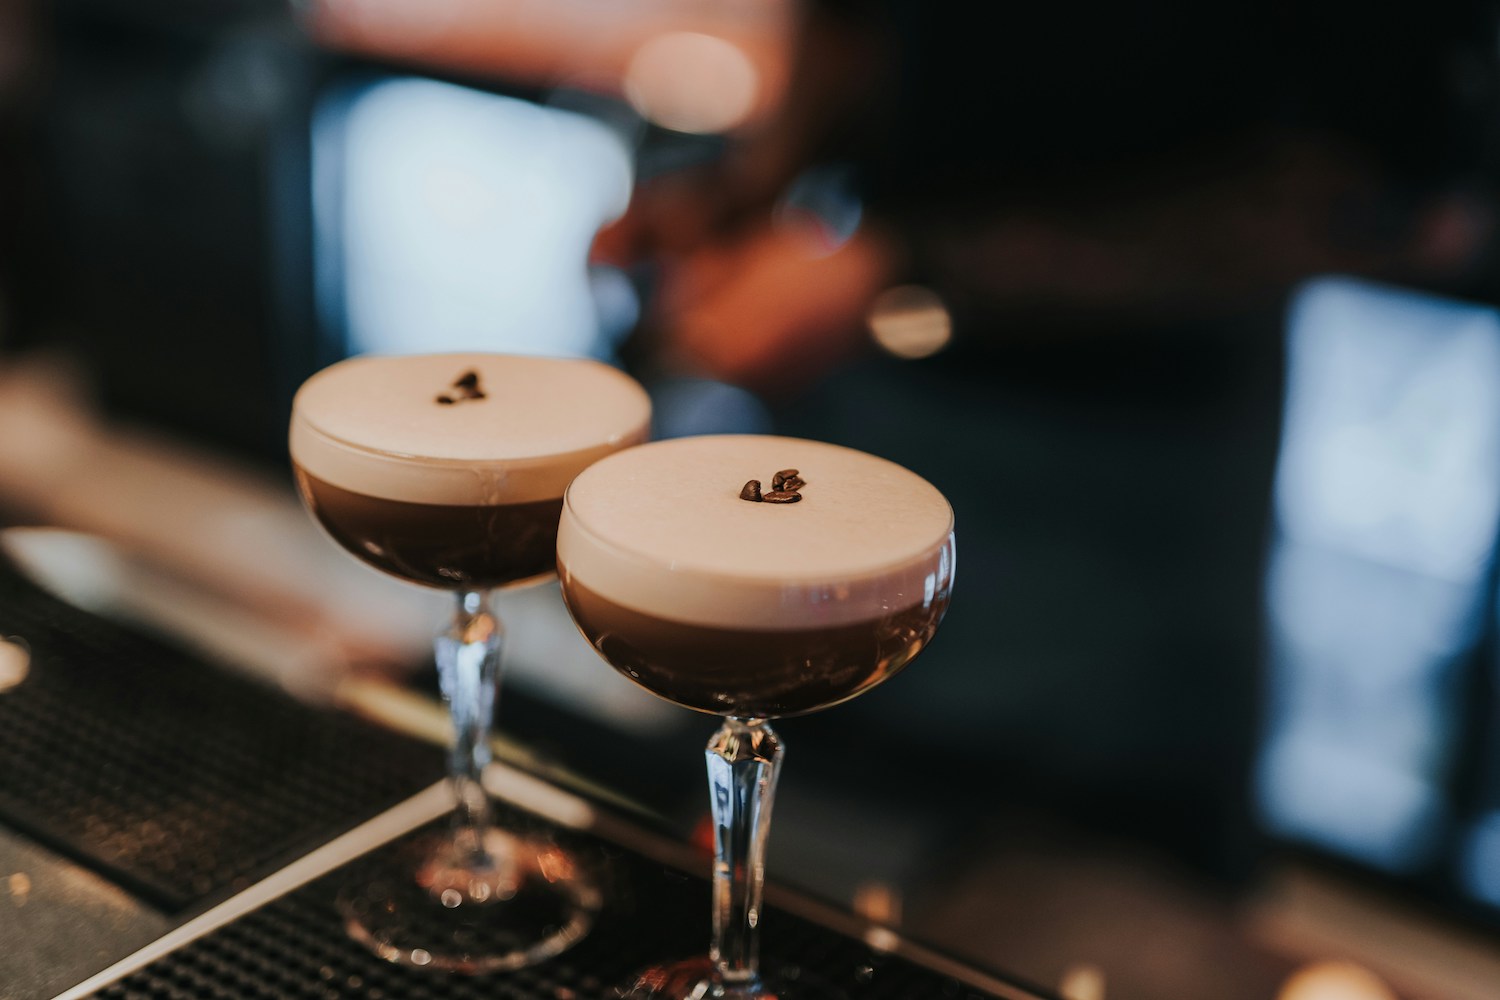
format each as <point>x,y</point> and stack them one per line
<point>794,483</point>
<point>468,386</point>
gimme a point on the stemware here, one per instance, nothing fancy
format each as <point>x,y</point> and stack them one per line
<point>448,470</point>
<point>751,577</point>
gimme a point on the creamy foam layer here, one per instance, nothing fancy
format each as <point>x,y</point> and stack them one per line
<point>661,530</point>
<point>373,424</point>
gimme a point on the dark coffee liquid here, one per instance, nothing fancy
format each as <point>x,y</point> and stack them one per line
<point>751,673</point>
<point>437,544</point>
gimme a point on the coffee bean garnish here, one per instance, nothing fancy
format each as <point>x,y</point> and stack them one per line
<point>784,487</point>
<point>468,386</point>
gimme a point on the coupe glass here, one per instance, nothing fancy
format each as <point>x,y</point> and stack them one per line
<point>448,470</point>
<point>752,610</point>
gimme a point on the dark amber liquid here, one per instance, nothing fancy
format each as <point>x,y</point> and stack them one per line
<point>751,673</point>
<point>437,544</point>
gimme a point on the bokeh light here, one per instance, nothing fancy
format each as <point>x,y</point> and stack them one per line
<point>692,82</point>
<point>910,321</point>
<point>1332,980</point>
<point>1082,982</point>
<point>15,664</point>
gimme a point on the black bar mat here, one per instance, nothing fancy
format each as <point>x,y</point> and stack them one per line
<point>294,948</point>
<point>178,780</point>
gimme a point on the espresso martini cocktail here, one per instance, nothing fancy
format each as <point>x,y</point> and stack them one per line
<point>751,577</point>
<point>448,470</point>
<point>755,609</point>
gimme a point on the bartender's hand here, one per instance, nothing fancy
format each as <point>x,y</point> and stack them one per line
<point>770,308</point>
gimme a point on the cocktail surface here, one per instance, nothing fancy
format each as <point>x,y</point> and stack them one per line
<point>463,428</point>
<point>663,530</point>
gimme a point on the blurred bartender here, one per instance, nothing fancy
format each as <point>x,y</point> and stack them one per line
<point>1073,231</point>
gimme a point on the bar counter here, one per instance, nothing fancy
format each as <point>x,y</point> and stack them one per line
<point>173,829</point>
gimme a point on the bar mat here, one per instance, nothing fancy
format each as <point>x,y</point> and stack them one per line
<point>178,780</point>
<point>294,948</point>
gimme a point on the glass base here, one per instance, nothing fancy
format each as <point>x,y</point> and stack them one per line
<point>693,979</point>
<point>432,908</point>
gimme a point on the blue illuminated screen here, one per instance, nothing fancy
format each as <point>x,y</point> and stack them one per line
<point>448,218</point>
<point>1380,588</point>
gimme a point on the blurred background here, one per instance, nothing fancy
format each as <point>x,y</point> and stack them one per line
<point>1192,314</point>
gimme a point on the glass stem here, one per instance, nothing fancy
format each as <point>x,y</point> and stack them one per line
<point>468,663</point>
<point>744,758</point>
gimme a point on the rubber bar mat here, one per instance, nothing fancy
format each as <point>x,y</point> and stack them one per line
<point>178,780</point>
<point>295,948</point>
